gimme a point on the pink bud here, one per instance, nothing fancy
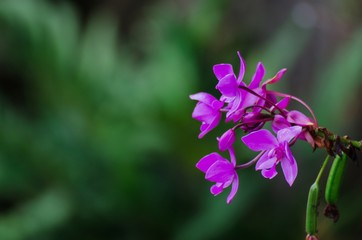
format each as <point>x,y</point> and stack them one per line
<point>226,140</point>
<point>299,118</point>
<point>311,237</point>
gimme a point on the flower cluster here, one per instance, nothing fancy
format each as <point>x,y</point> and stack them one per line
<point>249,107</point>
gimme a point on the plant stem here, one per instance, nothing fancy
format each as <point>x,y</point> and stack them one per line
<point>248,164</point>
<point>322,169</point>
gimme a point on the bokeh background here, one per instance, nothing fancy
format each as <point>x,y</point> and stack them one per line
<point>96,135</point>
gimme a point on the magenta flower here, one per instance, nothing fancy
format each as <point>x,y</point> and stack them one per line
<point>275,150</point>
<point>219,170</point>
<point>207,111</point>
<point>296,118</point>
<point>262,91</point>
<point>229,85</point>
<point>237,98</point>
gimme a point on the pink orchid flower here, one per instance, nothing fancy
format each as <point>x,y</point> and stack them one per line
<point>276,150</point>
<point>231,86</point>
<point>207,111</point>
<point>221,171</point>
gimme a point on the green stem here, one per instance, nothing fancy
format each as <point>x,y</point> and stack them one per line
<point>322,169</point>
<point>333,137</point>
<point>357,144</point>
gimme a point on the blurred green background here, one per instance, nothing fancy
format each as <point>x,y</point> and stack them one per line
<point>96,135</point>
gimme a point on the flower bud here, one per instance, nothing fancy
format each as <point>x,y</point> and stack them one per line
<point>311,237</point>
<point>299,118</point>
<point>333,186</point>
<point>312,211</point>
<point>226,140</point>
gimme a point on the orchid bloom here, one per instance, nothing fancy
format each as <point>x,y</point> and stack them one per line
<point>296,118</point>
<point>238,99</point>
<point>221,171</point>
<point>207,111</point>
<point>228,85</point>
<point>261,90</point>
<point>275,150</point>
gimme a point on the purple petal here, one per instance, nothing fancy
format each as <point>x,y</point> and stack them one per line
<point>223,69</point>
<point>279,123</point>
<point>258,76</point>
<point>203,112</point>
<point>232,156</point>
<point>228,85</point>
<point>271,97</point>
<point>289,165</point>
<point>205,163</point>
<point>242,100</point>
<point>203,97</point>
<point>265,162</point>
<point>207,127</point>
<point>207,99</point>
<point>290,170</point>
<point>283,104</point>
<point>235,105</point>
<point>287,134</point>
<point>269,173</point>
<point>217,188</point>
<point>220,171</point>
<point>299,118</point>
<point>308,137</point>
<point>234,189</point>
<point>260,140</point>
<point>217,105</point>
<point>242,69</point>
<point>226,140</point>
<point>276,78</point>
<point>204,127</point>
<point>227,100</point>
<point>261,92</point>
<point>249,99</point>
